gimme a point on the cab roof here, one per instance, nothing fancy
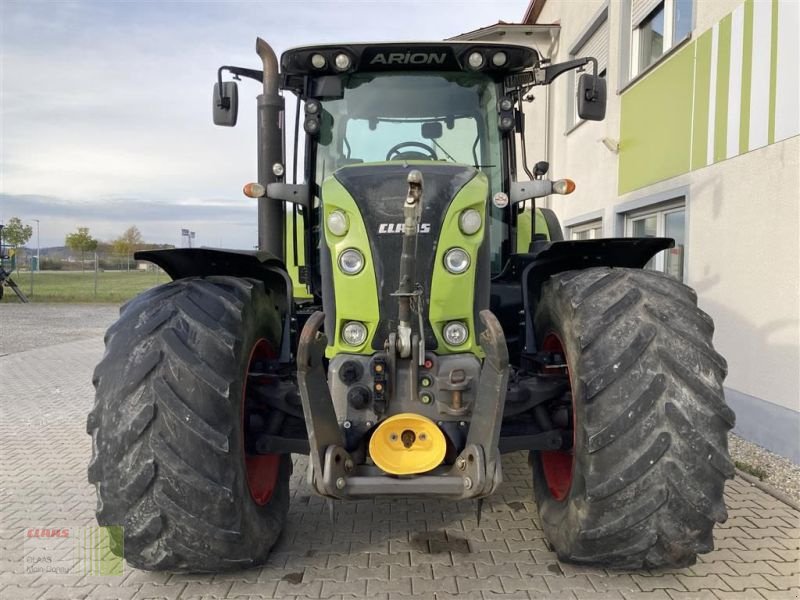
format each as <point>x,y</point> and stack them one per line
<point>496,60</point>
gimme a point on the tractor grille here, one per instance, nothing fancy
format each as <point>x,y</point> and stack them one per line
<point>380,191</point>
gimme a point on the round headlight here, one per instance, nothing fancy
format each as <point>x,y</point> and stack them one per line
<point>342,62</point>
<point>469,221</point>
<point>318,61</point>
<point>354,333</point>
<point>278,170</point>
<point>338,223</point>
<point>456,260</point>
<point>313,107</point>
<point>506,103</point>
<point>455,333</point>
<point>311,125</point>
<point>475,60</point>
<point>351,261</point>
<point>499,59</point>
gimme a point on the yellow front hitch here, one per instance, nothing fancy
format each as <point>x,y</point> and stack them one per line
<point>407,444</point>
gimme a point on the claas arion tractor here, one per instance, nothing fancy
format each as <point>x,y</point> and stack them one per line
<point>410,315</point>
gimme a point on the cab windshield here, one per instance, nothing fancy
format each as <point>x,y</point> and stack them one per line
<point>447,117</point>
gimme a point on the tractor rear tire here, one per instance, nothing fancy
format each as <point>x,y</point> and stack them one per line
<point>642,486</point>
<point>168,455</point>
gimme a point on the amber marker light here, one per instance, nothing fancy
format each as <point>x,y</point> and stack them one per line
<point>254,190</point>
<point>563,186</point>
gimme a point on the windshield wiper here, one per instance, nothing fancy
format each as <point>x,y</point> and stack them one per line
<point>435,143</point>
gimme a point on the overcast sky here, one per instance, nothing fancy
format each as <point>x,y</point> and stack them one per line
<point>106,106</point>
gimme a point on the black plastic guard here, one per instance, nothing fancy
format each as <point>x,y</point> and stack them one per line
<point>180,263</point>
<point>549,258</point>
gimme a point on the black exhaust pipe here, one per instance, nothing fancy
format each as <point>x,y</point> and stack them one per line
<point>271,226</point>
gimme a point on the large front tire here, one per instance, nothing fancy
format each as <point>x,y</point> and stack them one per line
<point>643,484</point>
<point>168,456</point>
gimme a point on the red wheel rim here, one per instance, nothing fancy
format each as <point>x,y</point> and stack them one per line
<point>558,465</point>
<point>261,469</point>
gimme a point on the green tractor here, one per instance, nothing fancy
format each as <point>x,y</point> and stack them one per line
<point>409,317</point>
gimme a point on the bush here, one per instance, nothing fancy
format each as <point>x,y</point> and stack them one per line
<point>51,264</point>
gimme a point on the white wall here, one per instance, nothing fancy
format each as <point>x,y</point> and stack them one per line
<point>580,155</point>
<point>743,219</point>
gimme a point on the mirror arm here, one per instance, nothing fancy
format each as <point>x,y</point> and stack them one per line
<point>236,72</point>
<point>549,73</point>
<point>299,194</point>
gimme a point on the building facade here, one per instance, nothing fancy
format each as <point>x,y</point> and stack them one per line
<point>701,143</point>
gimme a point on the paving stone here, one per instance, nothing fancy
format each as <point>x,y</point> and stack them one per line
<point>692,595</point>
<point>56,592</point>
<point>491,584</point>
<point>208,590</point>
<point>262,589</point>
<point>111,592</point>
<point>152,591</point>
<point>579,582</point>
<point>658,583</point>
<point>343,588</point>
<point>381,549</point>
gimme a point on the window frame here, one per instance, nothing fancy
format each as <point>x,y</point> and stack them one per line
<point>660,210</point>
<point>591,226</point>
<point>598,19</point>
<point>629,68</point>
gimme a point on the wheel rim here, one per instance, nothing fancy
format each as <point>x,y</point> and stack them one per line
<point>261,469</point>
<point>558,465</point>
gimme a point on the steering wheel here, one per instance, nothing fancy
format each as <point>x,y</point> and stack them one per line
<point>395,154</point>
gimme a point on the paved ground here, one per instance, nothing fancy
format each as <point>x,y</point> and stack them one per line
<point>384,550</point>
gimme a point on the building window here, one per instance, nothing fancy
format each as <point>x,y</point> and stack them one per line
<point>665,220</point>
<point>591,230</point>
<point>657,25</point>
<point>592,42</point>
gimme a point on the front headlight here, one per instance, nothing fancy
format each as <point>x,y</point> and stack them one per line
<point>455,333</point>
<point>456,260</point>
<point>338,223</point>
<point>469,221</point>
<point>354,333</point>
<point>351,261</point>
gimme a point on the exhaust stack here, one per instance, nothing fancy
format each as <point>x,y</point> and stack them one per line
<point>270,151</point>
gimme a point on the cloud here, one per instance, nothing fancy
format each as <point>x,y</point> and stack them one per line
<point>218,222</point>
<point>105,106</point>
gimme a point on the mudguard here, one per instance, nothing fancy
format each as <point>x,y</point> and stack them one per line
<point>180,263</point>
<point>549,258</point>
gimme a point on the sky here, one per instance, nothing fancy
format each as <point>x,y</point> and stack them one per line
<point>105,107</point>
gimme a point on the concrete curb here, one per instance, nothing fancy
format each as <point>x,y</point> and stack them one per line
<point>764,487</point>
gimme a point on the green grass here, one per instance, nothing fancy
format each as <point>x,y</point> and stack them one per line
<point>76,286</point>
<point>751,470</point>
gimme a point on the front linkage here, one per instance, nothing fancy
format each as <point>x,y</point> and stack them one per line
<point>333,472</point>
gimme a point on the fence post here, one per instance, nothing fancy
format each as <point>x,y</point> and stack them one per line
<point>95,275</point>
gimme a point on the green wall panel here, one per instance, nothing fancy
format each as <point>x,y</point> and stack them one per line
<point>723,81</point>
<point>656,127</point>
<point>702,97</point>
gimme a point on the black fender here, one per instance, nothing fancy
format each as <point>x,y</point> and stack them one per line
<point>180,263</point>
<point>549,258</point>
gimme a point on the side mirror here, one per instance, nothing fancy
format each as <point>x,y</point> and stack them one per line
<point>591,97</point>
<point>225,104</point>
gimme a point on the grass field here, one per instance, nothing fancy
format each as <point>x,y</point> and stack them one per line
<point>76,286</point>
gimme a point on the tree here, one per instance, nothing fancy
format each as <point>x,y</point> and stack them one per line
<point>82,242</point>
<point>128,243</point>
<point>17,234</point>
